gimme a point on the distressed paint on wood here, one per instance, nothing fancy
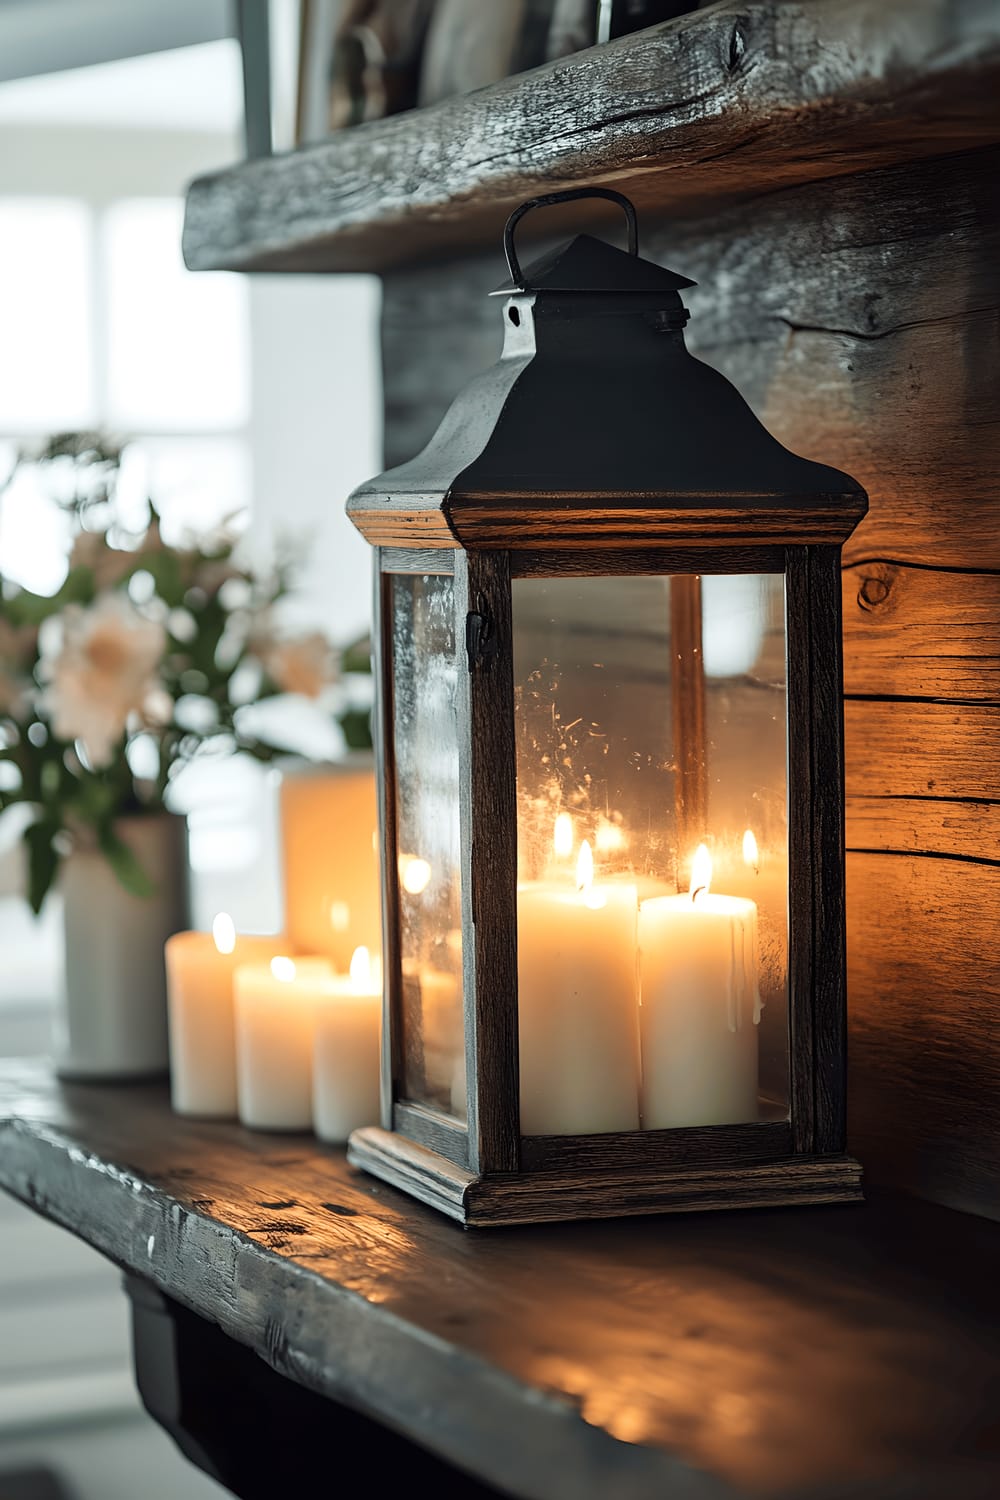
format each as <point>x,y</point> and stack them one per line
<point>724,102</point>
<point>816,1351</point>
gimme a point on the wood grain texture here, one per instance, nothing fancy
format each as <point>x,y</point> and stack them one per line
<point>905,823</point>
<point>923,749</point>
<point>722,103</point>
<point>860,319</point>
<point>922,632</point>
<point>828,915</point>
<point>802,894</point>
<point>631,1150</point>
<point>812,1353</point>
<point>925,1062</point>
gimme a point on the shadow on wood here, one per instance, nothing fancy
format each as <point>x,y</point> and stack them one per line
<point>248,1427</point>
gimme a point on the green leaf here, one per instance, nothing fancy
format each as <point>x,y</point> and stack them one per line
<point>357,656</point>
<point>123,862</point>
<point>356,724</point>
<point>43,861</point>
<point>168,576</point>
<point>26,608</point>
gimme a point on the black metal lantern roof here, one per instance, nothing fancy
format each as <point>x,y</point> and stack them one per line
<point>598,428</point>
<point>584,264</point>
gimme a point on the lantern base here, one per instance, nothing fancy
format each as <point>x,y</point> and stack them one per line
<point>545,1197</point>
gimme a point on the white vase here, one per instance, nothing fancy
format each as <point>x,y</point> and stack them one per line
<point>113,1019</point>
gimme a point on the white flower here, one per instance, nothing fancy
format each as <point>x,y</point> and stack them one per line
<point>104,671</point>
<point>303,665</point>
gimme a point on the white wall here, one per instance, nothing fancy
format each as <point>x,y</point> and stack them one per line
<point>316,433</point>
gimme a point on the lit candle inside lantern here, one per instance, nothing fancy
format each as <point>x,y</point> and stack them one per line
<point>563,836</point>
<point>346,1050</point>
<point>200,968</point>
<point>699,1006</point>
<point>760,873</point>
<point>275,1026</point>
<point>577,1017</point>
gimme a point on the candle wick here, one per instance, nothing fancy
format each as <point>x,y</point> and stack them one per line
<point>697,891</point>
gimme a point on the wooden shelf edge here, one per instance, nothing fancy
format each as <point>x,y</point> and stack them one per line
<point>559,1362</point>
<point>723,103</point>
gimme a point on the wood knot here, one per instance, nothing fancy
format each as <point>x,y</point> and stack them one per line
<point>737,49</point>
<point>876,587</point>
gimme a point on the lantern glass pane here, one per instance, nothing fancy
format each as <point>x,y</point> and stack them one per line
<point>650,719</point>
<point>425,730</point>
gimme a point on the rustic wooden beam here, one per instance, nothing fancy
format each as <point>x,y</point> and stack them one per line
<point>723,103</point>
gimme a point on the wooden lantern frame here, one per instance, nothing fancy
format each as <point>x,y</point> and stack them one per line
<point>528,477</point>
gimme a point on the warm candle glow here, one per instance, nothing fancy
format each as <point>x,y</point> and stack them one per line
<point>414,874</point>
<point>361,969</point>
<point>751,856</point>
<point>585,879</point>
<point>563,839</point>
<point>609,837</point>
<point>340,916</point>
<point>283,969</point>
<point>224,933</point>
<point>701,872</point>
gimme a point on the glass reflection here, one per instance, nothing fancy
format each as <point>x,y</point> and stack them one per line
<point>425,729</point>
<point>650,720</point>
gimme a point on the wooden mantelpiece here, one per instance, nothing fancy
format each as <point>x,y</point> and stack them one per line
<point>823,1352</point>
<point>727,102</point>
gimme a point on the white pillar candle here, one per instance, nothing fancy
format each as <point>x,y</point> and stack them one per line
<point>346,1050</point>
<point>577,1015</point>
<point>200,968</point>
<point>275,1025</point>
<point>699,1007</point>
<point>329,843</point>
<point>761,876</point>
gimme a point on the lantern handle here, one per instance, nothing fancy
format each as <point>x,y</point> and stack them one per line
<point>625,204</point>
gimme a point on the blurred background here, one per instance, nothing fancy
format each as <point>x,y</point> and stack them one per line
<point>254,397</point>
<point>253,401</point>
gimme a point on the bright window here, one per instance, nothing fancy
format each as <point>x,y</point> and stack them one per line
<point>178,356</point>
<point>102,326</point>
<point>47,370</point>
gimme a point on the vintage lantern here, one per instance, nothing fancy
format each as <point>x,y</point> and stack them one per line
<point>611,789</point>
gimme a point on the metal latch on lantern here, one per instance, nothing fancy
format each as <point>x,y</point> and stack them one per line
<point>481,641</point>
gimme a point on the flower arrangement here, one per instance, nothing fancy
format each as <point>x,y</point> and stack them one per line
<point>146,656</point>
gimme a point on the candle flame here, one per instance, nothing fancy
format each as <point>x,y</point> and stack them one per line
<point>340,916</point>
<point>414,873</point>
<point>361,969</point>
<point>701,872</point>
<point>751,855</point>
<point>283,968</point>
<point>563,838</point>
<point>224,933</point>
<point>609,837</point>
<point>585,879</point>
